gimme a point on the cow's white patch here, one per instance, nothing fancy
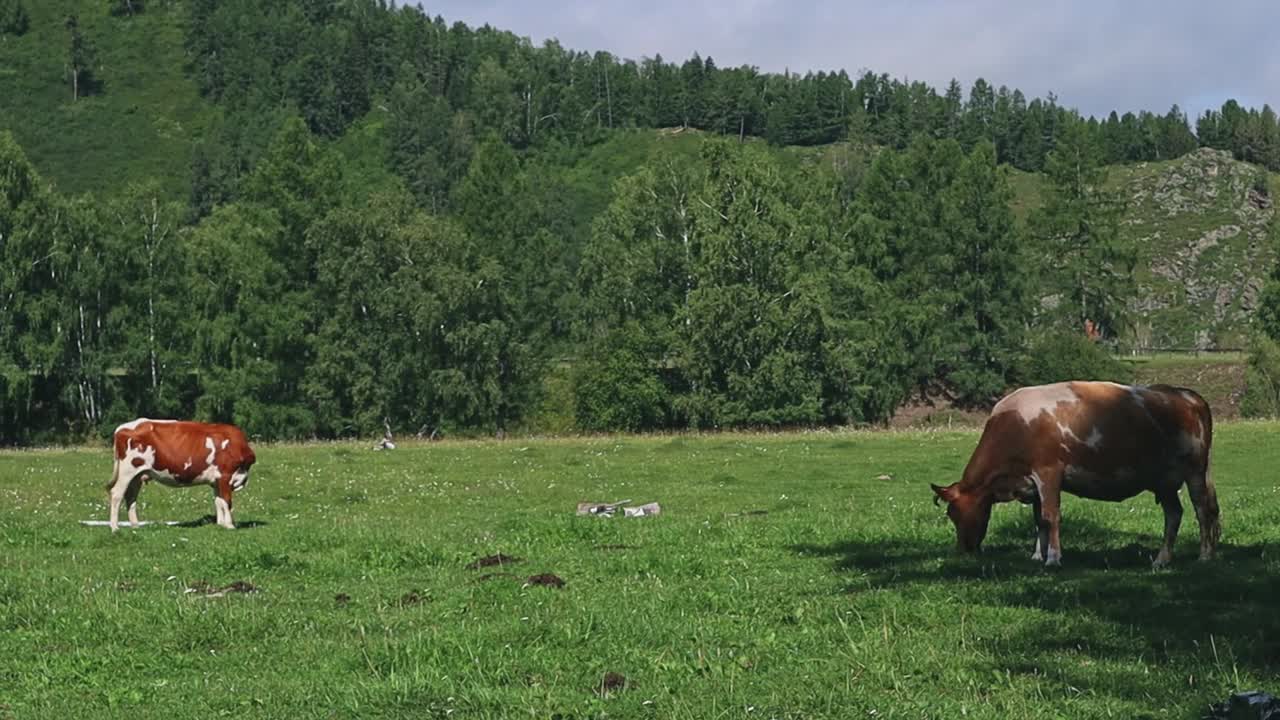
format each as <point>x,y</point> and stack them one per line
<point>209,475</point>
<point>239,479</point>
<point>144,452</point>
<point>1031,402</point>
<point>225,443</point>
<point>1053,556</point>
<point>187,464</point>
<point>1095,439</point>
<point>208,442</point>
<point>1067,432</point>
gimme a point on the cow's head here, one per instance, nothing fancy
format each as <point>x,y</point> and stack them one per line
<point>968,511</point>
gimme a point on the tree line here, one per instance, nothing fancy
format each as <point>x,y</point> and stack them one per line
<point>728,288</point>
<point>331,62</point>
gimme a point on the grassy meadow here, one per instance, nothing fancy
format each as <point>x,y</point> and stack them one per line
<point>789,576</point>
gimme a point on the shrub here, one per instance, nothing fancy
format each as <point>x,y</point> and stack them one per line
<point>1262,183</point>
<point>618,388</point>
<point>1262,379</point>
<point>1057,357</point>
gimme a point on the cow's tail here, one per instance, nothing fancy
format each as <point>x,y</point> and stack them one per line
<point>115,464</point>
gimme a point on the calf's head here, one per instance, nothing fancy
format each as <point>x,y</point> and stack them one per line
<point>969,512</point>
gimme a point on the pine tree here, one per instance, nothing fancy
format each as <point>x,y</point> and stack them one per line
<point>1079,226</point>
<point>991,300</point>
<point>80,59</point>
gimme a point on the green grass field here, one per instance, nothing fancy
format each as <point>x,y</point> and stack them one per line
<point>789,576</point>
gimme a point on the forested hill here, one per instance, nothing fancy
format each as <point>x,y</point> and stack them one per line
<point>313,217</point>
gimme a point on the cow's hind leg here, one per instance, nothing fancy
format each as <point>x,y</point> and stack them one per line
<point>131,498</point>
<point>1172,520</point>
<point>1205,500</point>
<point>124,477</point>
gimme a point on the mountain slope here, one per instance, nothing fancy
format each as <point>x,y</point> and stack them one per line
<point>1201,229</point>
<point>143,123</point>
<point>1200,226</point>
<point>1199,222</point>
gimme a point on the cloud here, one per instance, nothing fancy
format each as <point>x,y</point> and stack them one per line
<point>1096,55</point>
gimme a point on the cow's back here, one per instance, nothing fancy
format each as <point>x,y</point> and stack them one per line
<point>183,450</point>
<point>1110,441</point>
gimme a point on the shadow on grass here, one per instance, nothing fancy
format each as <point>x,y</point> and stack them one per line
<point>1193,615</point>
<point>211,520</point>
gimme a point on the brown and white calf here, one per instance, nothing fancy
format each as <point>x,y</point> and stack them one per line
<point>1096,440</point>
<point>178,454</point>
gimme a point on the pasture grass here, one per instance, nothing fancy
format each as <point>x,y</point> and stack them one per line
<point>789,576</point>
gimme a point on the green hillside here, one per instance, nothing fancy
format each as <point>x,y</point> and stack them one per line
<point>543,237</point>
<point>142,124</point>
<point>1199,229</point>
<point>1200,225</point>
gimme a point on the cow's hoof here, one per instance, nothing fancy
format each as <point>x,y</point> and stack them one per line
<point>1036,556</point>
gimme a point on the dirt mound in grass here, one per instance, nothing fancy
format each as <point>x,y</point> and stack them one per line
<point>547,580</point>
<point>492,560</point>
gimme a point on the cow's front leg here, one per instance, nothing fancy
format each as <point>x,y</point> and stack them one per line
<point>222,503</point>
<point>1172,520</point>
<point>1049,488</point>
<point>1041,531</point>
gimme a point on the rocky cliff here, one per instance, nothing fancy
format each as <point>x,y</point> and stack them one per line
<point>1201,224</point>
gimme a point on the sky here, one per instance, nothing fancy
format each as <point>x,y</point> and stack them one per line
<point>1095,55</point>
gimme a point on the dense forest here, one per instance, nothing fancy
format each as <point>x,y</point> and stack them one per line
<point>473,277</point>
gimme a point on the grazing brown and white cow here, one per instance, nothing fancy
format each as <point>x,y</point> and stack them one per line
<point>1096,440</point>
<point>178,454</point>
